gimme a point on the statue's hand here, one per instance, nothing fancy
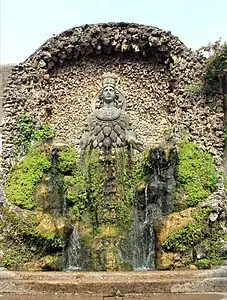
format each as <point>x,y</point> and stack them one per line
<point>132,140</point>
<point>84,143</point>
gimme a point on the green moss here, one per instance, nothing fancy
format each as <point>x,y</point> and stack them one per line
<point>204,263</point>
<point>193,88</point>
<point>24,176</point>
<point>196,172</point>
<point>189,236</point>
<point>195,192</point>
<point>74,181</point>
<point>23,242</point>
<point>183,239</point>
<point>94,205</point>
<point>68,160</point>
<point>201,233</point>
<point>31,161</point>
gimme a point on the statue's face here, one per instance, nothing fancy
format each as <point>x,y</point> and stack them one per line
<point>109,94</point>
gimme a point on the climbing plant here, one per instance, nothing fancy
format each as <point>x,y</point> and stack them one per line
<point>30,131</point>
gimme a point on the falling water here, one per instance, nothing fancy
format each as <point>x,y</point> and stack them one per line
<point>139,248</point>
<point>146,202</point>
<point>72,252</point>
<point>64,208</point>
<point>71,248</point>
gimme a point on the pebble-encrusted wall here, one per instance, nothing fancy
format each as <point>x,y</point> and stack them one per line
<point>58,82</point>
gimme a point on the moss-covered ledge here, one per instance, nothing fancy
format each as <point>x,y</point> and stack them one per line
<point>31,236</point>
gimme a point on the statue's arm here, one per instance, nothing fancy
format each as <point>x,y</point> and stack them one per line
<point>131,138</point>
<point>85,139</point>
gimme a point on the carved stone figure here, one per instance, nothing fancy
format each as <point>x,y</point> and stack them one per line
<point>108,124</point>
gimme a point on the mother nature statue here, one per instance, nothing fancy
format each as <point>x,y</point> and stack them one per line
<point>108,124</point>
<point>109,139</point>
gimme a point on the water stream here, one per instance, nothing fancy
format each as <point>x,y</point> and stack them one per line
<point>71,252</point>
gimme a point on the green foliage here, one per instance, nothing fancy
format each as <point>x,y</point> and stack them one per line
<point>207,263</point>
<point>183,239</point>
<point>43,133</point>
<point>201,216</point>
<point>200,233</point>
<point>68,160</point>
<point>216,63</point>
<point>225,134</point>
<point>204,263</point>
<point>95,178</point>
<point>193,88</point>
<point>74,181</point>
<point>29,131</point>
<point>196,172</point>
<point>23,242</point>
<point>195,192</point>
<point>24,177</point>
<point>127,172</point>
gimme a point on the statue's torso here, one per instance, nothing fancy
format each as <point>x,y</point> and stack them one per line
<point>108,127</point>
<point>107,114</point>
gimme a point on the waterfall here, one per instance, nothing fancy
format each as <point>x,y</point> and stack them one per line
<point>71,248</point>
<point>64,208</point>
<point>138,249</point>
<point>71,252</point>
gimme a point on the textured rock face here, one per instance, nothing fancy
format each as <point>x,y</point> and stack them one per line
<point>58,82</point>
<point>4,73</point>
<point>168,260</point>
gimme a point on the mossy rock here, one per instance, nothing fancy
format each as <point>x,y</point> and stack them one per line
<point>164,260</point>
<point>197,176</point>
<point>23,242</point>
<point>24,177</point>
<point>178,220</point>
<point>47,263</point>
<point>52,226</point>
<point>199,242</point>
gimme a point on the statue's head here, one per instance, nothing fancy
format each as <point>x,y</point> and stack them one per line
<point>109,93</point>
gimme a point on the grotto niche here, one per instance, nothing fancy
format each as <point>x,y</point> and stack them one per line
<point>125,181</point>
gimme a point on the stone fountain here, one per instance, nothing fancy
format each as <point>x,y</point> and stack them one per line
<point>111,158</point>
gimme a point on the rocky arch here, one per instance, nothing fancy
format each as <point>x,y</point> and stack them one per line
<point>58,81</point>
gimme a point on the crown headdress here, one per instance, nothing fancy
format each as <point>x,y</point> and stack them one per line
<point>109,79</point>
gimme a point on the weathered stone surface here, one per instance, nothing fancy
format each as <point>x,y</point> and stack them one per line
<point>174,221</point>
<point>50,263</point>
<point>107,285</point>
<point>164,260</point>
<point>57,82</point>
<point>51,225</point>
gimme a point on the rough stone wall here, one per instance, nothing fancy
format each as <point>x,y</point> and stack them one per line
<point>4,73</point>
<point>58,82</point>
